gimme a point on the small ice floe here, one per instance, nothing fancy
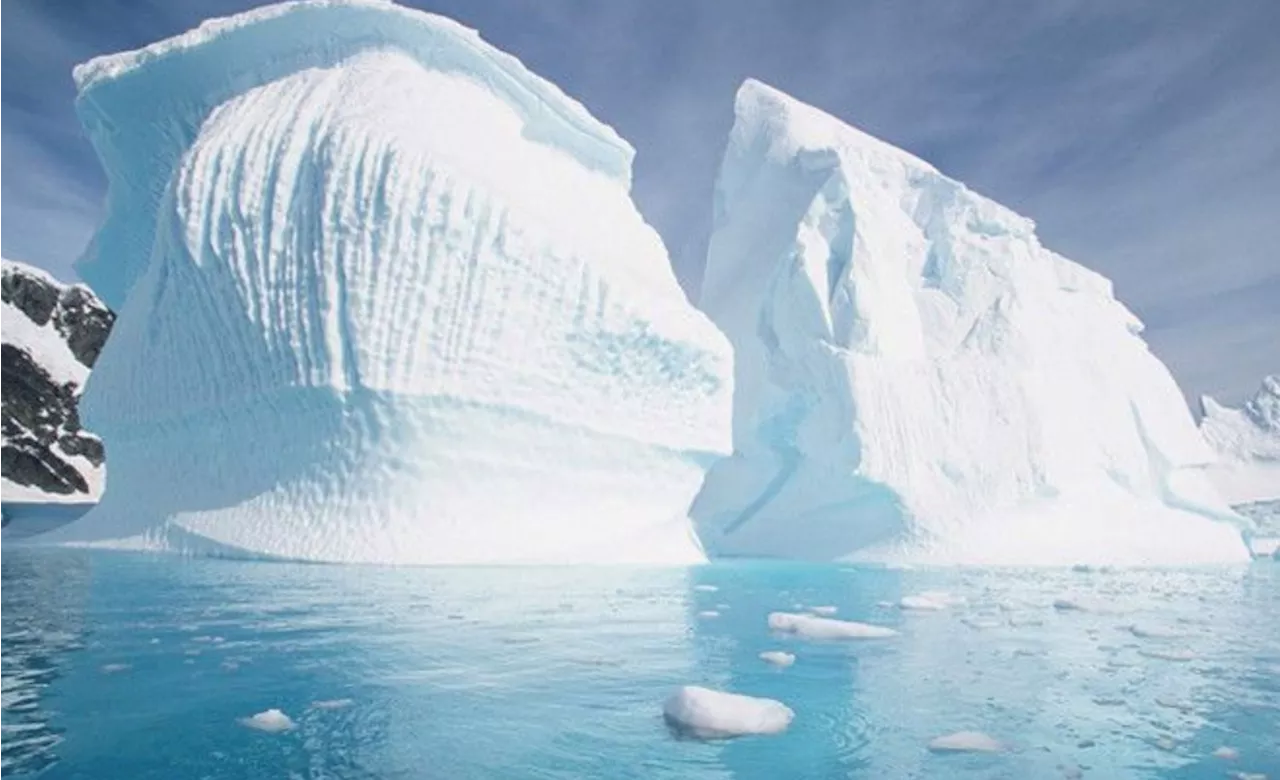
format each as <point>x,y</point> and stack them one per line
<point>824,610</point>
<point>705,588</point>
<point>982,623</point>
<point>778,657</point>
<point>155,640</point>
<point>965,742</point>
<point>332,704</point>
<point>1249,776</point>
<point>1226,753</point>
<point>1175,704</point>
<point>1154,632</point>
<point>1168,655</point>
<point>229,666</point>
<point>1109,701</point>
<point>812,627</point>
<point>1166,744</point>
<point>114,668</point>
<point>1023,621</point>
<point>1069,605</point>
<point>708,714</point>
<point>272,721</point>
<point>884,604</point>
<point>708,614</point>
<point>920,603</point>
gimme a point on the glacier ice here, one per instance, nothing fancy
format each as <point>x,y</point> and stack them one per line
<point>918,380</point>
<point>1247,442</point>
<point>384,297</point>
<point>711,714</point>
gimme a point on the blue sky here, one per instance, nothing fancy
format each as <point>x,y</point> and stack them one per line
<point>1143,137</point>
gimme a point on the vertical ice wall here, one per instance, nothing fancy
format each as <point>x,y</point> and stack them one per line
<point>383,296</point>
<point>918,379</point>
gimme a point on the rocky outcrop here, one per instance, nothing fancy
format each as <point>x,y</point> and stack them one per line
<point>53,333</point>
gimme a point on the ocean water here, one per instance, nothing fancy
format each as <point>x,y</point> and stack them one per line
<point>121,665</point>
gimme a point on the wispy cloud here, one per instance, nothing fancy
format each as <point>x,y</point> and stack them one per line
<point>1140,135</point>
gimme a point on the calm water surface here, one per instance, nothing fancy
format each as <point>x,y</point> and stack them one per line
<point>127,666</point>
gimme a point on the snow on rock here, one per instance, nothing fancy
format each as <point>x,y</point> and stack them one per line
<point>778,657</point>
<point>811,627</point>
<point>53,333</point>
<point>918,380</point>
<point>1247,442</point>
<point>272,721</point>
<point>384,297</point>
<point>965,742</point>
<point>710,714</point>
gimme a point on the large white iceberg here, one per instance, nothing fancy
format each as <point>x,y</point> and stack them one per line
<point>918,379</point>
<point>384,297</point>
<point>1247,441</point>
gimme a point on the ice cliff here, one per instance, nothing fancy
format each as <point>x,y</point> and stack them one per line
<point>918,379</point>
<point>383,297</point>
<point>1247,441</point>
<point>53,333</point>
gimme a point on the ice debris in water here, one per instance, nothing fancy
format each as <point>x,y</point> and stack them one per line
<point>921,603</point>
<point>272,721</point>
<point>778,657</point>
<point>1153,632</point>
<point>332,704</point>
<point>1069,605</point>
<point>1226,753</point>
<point>113,668</point>
<point>707,614</point>
<point>1169,655</point>
<point>965,742</point>
<point>710,714</point>
<point>706,588</point>
<point>812,627</point>
<point>824,610</point>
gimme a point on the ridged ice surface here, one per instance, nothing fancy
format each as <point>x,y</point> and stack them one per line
<point>384,297</point>
<point>918,379</point>
<point>1247,442</point>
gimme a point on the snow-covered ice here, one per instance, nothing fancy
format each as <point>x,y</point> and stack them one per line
<point>965,742</point>
<point>711,714</point>
<point>811,627</point>
<point>384,297</point>
<point>1247,442</point>
<point>919,380</point>
<point>778,657</point>
<point>271,721</point>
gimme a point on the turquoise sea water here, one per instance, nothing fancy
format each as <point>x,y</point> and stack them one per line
<point>129,666</point>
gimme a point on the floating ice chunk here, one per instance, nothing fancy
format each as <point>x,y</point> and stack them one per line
<point>778,657</point>
<point>1169,655</point>
<point>332,704</point>
<point>272,721</point>
<point>1249,776</point>
<point>982,623</point>
<point>1154,632</point>
<point>709,714</point>
<point>921,603</point>
<point>113,668</point>
<point>1070,605</point>
<point>705,588</point>
<point>965,742</point>
<point>1226,753</point>
<point>707,614</point>
<point>826,610</point>
<point>812,627</point>
<point>1175,704</point>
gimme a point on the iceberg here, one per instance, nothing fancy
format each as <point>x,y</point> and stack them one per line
<point>1247,443</point>
<point>383,297</point>
<point>918,380</point>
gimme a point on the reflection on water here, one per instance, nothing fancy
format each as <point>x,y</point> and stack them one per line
<point>135,667</point>
<point>42,628</point>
